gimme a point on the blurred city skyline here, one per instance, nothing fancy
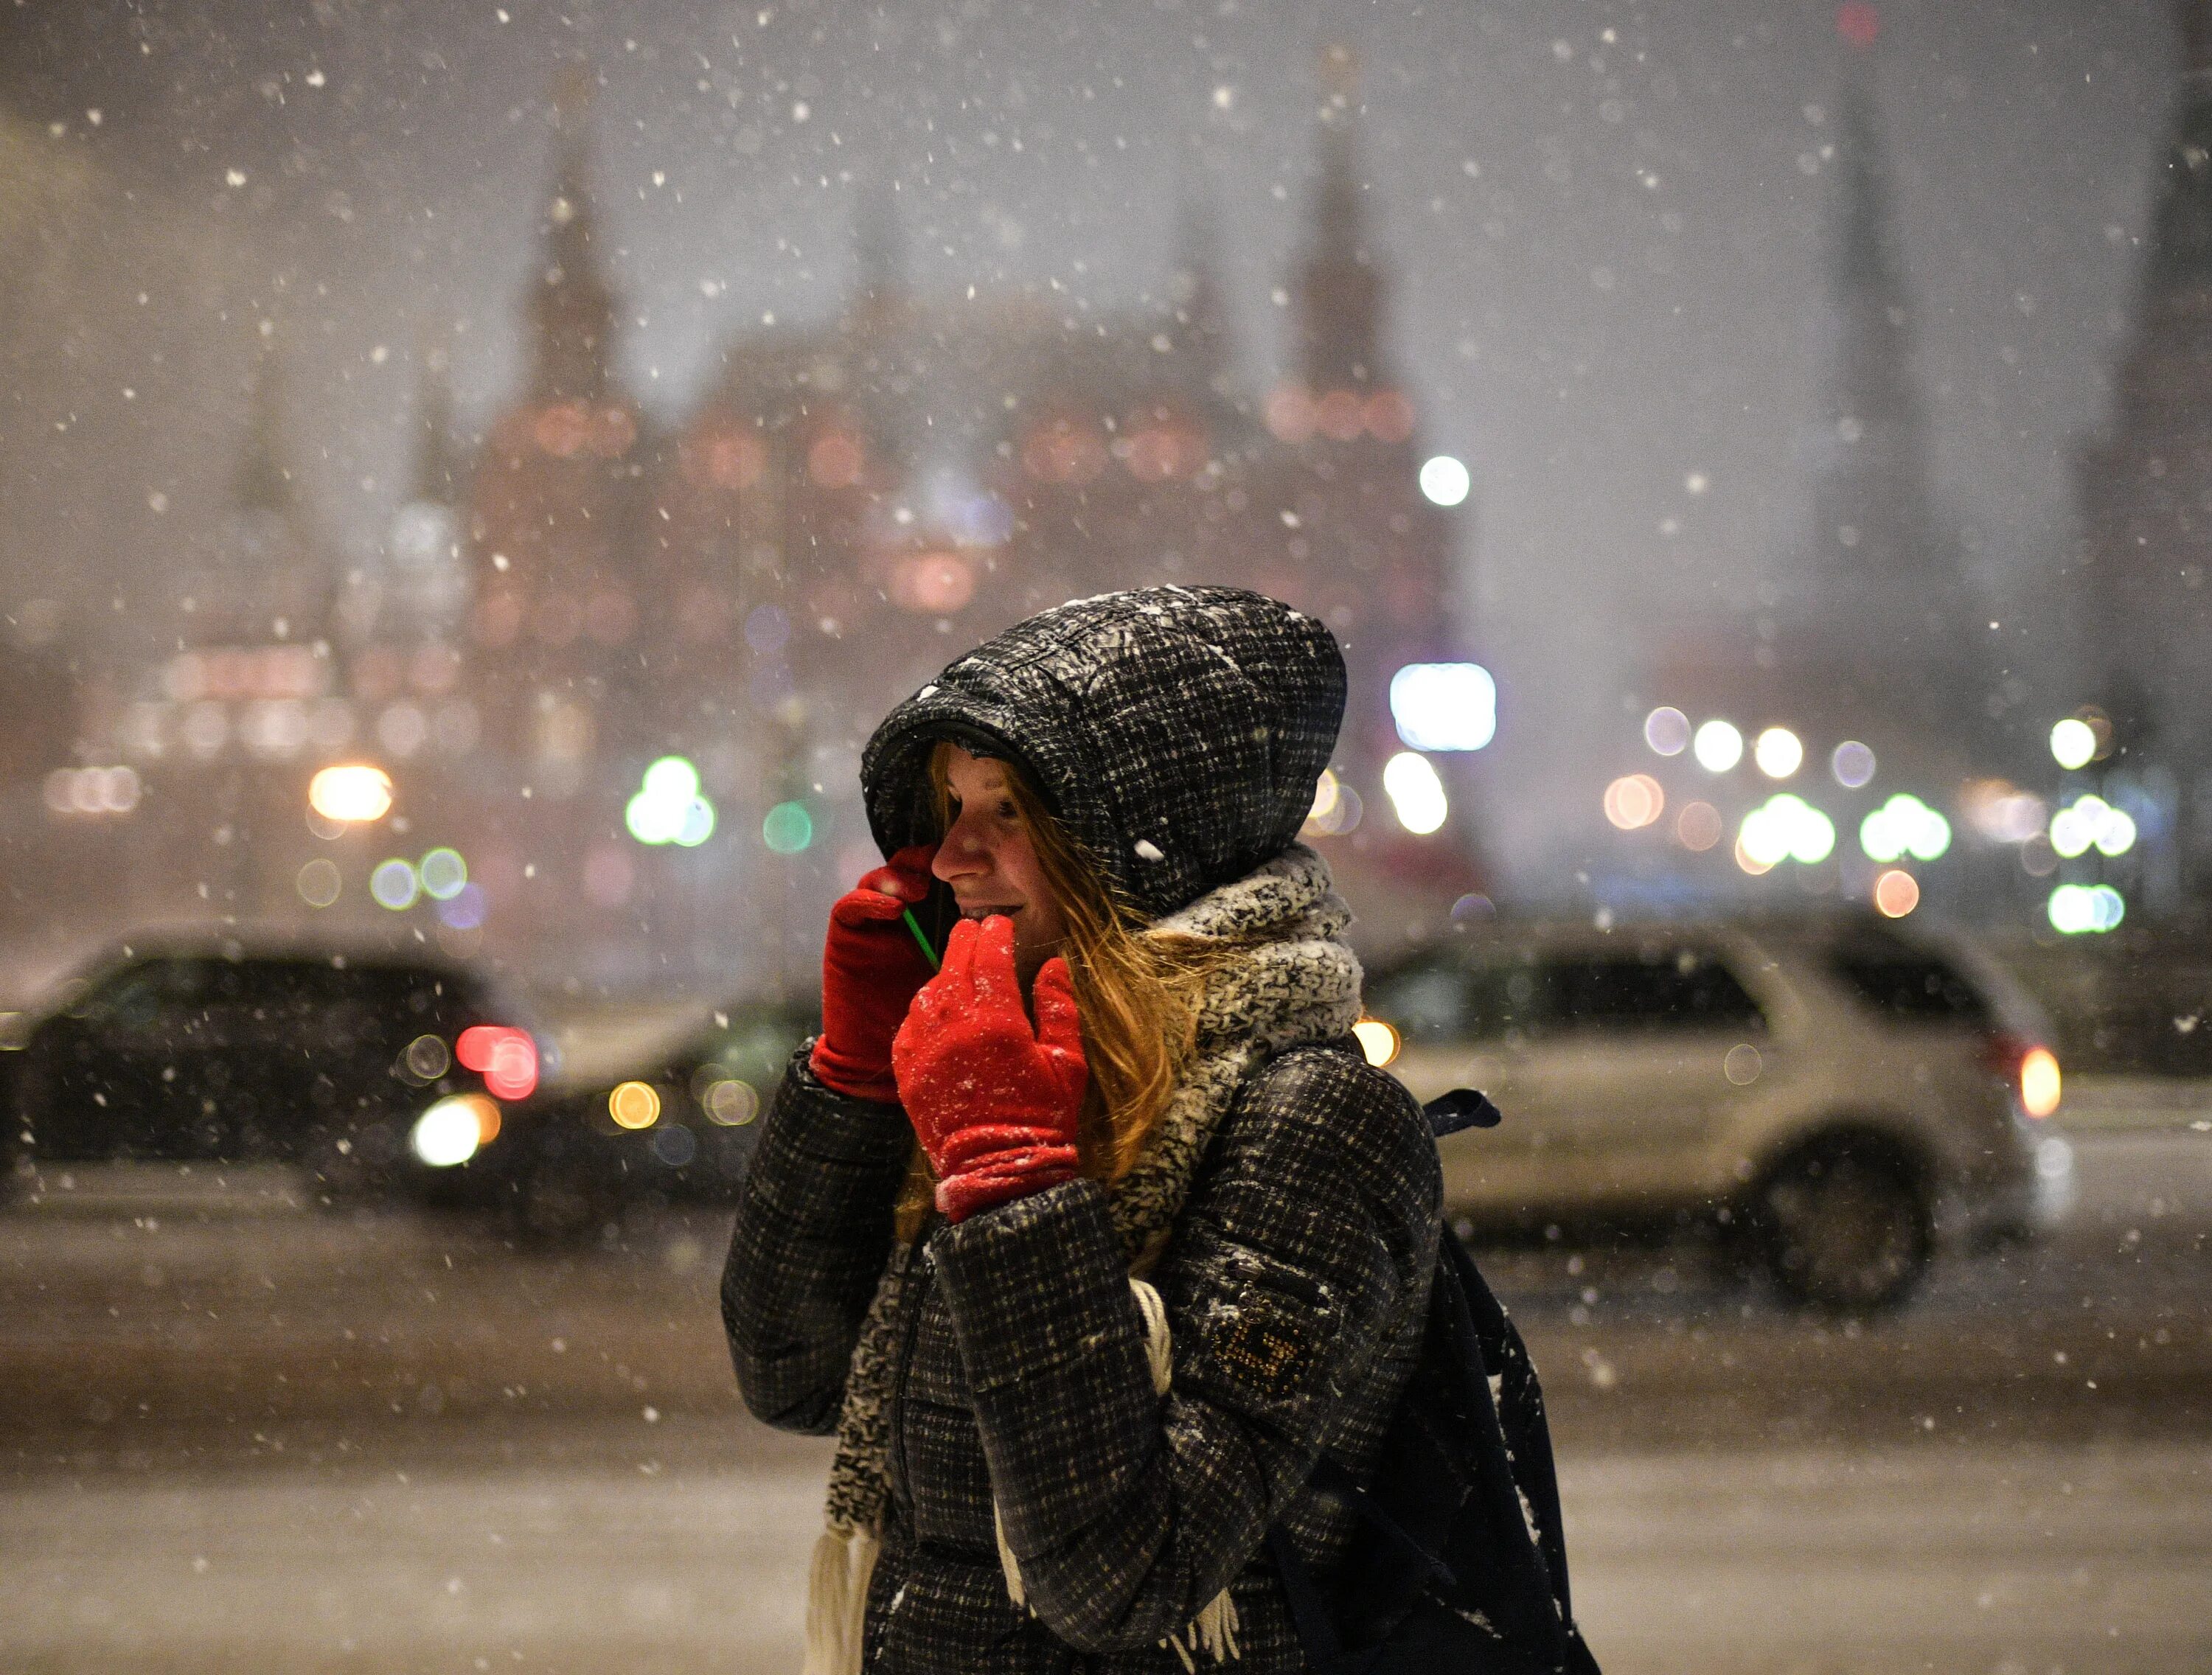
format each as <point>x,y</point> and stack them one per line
<point>1607,239</point>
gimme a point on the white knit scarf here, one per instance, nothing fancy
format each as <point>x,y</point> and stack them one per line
<point>1299,982</point>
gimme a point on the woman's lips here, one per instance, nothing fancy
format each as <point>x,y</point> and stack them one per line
<point>987,912</point>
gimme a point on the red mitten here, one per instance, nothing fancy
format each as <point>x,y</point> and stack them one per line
<point>871,967</point>
<point>993,1102</point>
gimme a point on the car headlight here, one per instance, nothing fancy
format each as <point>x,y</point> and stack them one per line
<point>454,1130</point>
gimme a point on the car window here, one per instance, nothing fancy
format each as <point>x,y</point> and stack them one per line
<point>1494,1000</point>
<point>1678,989</point>
<point>143,996</point>
<point>1909,984</point>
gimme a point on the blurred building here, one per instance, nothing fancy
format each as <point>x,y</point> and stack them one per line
<point>738,596</point>
<point>2145,579</point>
<point>854,500</point>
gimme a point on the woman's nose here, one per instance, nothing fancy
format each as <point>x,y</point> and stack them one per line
<point>960,856</point>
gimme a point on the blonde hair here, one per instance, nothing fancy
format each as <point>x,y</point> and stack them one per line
<point>1138,990</point>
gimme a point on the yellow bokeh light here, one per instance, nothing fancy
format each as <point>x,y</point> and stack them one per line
<point>1377,1039</point>
<point>2040,1081</point>
<point>350,793</point>
<point>635,1105</point>
<point>730,1102</point>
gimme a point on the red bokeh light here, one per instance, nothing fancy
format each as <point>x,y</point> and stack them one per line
<point>506,1058</point>
<point>1858,23</point>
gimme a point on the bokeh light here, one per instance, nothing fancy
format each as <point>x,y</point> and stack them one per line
<point>1786,827</point>
<point>1377,1039</point>
<point>426,1058</point>
<point>1896,892</point>
<point>1666,730</point>
<point>730,1102</point>
<point>506,1058</point>
<point>1749,862</point>
<point>454,1130</point>
<point>1718,746</point>
<point>443,873</point>
<point>1444,706</point>
<point>1444,481</point>
<point>787,828</point>
<point>1327,793</point>
<point>2040,1084</point>
<point>352,792</point>
<point>319,883</point>
<point>1851,763</point>
<point>2092,822</point>
<point>467,909</point>
<point>394,885</point>
<point>1778,752</point>
<point>634,1105</point>
<point>1416,794</point>
<point>668,808</point>
<point>1698,826</point>
<point>2077,909</point>
<point>1634,801</point>
<point>2073,744</point>
<point>1904,826</point>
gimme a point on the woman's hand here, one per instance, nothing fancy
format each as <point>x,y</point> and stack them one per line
<point>871,967</point>
<point>993,1102</point>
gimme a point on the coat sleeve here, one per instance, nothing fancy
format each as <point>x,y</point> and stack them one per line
<point>1312,1224</point>
<point>813,1232</point>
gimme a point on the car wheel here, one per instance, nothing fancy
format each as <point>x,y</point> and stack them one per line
<point>1845,1226</point>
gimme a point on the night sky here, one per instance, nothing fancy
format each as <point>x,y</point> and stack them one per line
<point>1607,227</point>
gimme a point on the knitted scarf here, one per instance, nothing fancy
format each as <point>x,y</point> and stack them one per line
<point>1298,982</point>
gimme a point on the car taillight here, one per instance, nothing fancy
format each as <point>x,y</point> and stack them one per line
<point>2031,1068</point>
<point>2038,1082</point>
<point>506,1058</point>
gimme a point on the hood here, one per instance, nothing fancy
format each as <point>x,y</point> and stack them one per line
<point>1176,732</point>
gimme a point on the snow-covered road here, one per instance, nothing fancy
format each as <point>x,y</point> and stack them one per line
<point>1943,1558</point>
<point>237,1435</point>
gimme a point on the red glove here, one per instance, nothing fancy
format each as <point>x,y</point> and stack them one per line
<point>871,967</point>
<point>993,1102</point>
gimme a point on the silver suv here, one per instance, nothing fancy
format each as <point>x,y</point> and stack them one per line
<point>1838,1095</point>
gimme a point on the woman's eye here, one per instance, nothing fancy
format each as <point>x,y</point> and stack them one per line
<point>1006,810</point>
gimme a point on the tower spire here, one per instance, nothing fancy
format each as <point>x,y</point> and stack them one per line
<point>262,482</point>
<point>436,472</point>
<point>1882,598</point>
<point>2143,490</point>
<point>1201,316</point>
<point>878,245</point>
<point>1340,292</point>
<point>573,307</point>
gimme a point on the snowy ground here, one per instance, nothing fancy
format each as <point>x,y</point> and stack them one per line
<point>237,1435</point>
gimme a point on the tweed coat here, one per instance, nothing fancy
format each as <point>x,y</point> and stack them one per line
<point>1296,1278</point>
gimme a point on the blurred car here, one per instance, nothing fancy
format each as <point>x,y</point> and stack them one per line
<point>188,1051</point>
<point>1836,1097</point>
<point>676,1126</point>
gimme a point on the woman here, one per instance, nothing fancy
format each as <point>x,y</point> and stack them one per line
<point>1088,1245</point>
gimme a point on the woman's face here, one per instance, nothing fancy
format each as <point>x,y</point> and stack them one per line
<point>987,859</point>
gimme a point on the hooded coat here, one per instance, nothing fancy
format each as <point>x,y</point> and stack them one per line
<point>1177,733</point>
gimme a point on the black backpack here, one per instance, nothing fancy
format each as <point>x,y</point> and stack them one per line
<point>1459,1566</point>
